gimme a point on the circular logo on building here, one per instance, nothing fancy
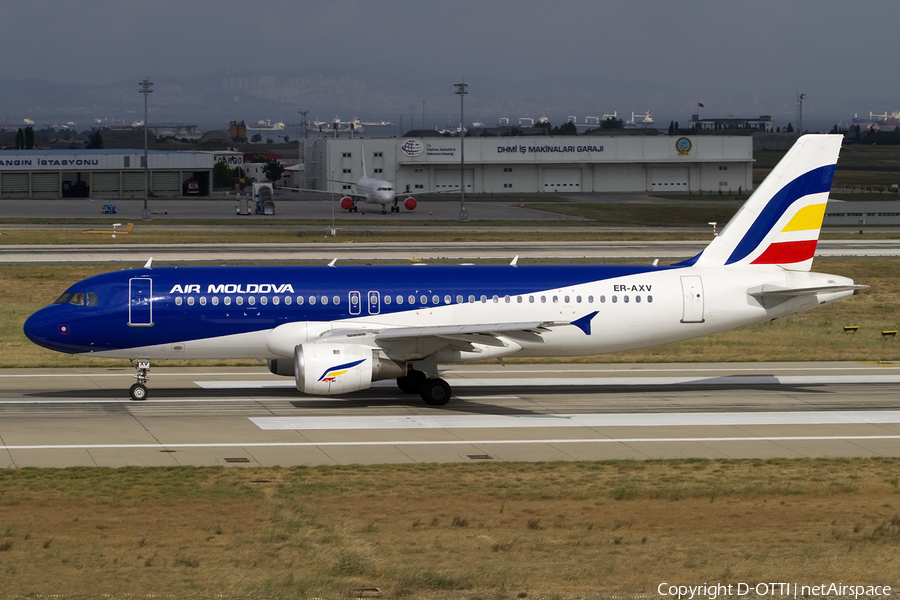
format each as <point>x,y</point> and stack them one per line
<point>683,145</point>
<point>412,148</point>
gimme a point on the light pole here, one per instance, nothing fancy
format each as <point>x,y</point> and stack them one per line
<point>146,89</point>
<point>461,91</point>
<point>304,126</point>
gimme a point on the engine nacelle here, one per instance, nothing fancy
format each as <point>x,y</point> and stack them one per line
<point>346,203</point>
<point>282,366</point>
<point>325,368</point>
<point>410,204</point>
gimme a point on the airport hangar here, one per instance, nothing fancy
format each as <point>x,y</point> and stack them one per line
<point>110,173</point>
<point>513,165</point>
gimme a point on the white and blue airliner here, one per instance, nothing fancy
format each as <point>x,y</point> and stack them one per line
<point>338,329</point>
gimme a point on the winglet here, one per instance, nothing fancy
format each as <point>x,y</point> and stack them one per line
<point>514,261</point>
<point>148,263</point>
<point>331,264</point>
<point>584,323</point>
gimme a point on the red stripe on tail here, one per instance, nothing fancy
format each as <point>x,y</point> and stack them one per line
<point>784,253</point>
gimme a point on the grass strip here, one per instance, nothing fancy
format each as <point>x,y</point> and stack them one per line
<point>490,530</point>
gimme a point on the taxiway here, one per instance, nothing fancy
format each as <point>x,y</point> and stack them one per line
<point>245,416</point>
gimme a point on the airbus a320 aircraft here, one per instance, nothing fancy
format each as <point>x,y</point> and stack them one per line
<point>338,329</point>
<point>371,191</point>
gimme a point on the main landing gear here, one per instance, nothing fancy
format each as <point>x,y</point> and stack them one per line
<point>434,390</point>
<point>138,391</point>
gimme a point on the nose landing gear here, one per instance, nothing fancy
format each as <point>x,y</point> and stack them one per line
<point>138,391</point>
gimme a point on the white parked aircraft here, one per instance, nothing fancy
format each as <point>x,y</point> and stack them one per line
<point>371,191</point>
<point>338,329</point>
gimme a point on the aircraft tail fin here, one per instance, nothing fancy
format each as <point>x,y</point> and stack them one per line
<point>780,222</point>
<point>362,157</point>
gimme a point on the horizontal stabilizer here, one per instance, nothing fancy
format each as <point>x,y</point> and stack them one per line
<point>774,291</point>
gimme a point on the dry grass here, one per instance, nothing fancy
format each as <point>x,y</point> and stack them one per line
<point>816,335</point>
<point>436,531</point>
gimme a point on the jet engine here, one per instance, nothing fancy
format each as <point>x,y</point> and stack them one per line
<point>410,204</point>
<point>281,366</point>
<point>325,369</point>
<point>346,203</point>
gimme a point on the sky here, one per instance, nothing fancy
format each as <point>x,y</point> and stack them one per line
<point>519,57</point>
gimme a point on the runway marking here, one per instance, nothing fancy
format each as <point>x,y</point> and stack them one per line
<point>824,438</point>
<point>599,381</point>
<point>863,366</point>
<point>575,420</point>
<point>123,372</point>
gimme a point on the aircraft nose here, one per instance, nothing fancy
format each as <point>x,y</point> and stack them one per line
<point>43,329</point>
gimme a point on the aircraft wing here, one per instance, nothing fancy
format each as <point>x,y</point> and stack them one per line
<point>339,194</point>
<point>413,343</point>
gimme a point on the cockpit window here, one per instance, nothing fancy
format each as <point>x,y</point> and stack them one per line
<point>79,299</point>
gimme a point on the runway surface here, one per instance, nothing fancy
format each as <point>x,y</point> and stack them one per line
<point>137,254</point>
<point>246,416</point>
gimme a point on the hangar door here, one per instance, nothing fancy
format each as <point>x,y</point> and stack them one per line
<point>448,179</point>
<point>561,180</point>
<point>44,185</point>
<point>669,179</point>
<point>106,183</point>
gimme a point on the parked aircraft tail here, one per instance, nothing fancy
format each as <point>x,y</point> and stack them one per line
<point>780,222</point>
<point>362,157</point>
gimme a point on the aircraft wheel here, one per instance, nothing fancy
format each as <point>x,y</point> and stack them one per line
<point>383,211</point>
<point>138,392</point>
<point>436,392</point>
<point>412,382</point>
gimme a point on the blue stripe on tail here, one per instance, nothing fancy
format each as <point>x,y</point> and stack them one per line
<point>813,182</point>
